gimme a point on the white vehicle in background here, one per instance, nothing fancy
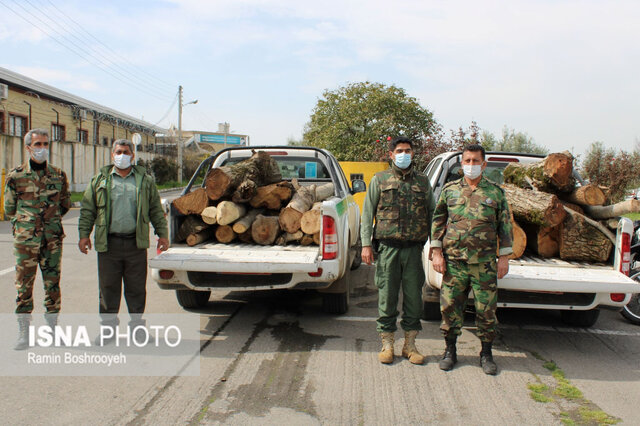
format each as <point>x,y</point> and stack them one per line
<point>577,289</point>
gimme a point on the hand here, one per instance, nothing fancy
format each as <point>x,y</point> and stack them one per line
<point>163,244</point>
<point>367,255</point>
<point>437,259</point>
<point>84,245</point>
<point>503,266</point>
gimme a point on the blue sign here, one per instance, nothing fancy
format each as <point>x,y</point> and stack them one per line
<point>230,140</point>
<point>310,169</point>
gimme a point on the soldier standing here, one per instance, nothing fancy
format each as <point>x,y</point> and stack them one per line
<point>36,198</point>
<point>471,215</point>
<point>402,202</point>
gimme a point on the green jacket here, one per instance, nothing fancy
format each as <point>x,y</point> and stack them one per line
<point>402,204</point>
<point>96,209</point>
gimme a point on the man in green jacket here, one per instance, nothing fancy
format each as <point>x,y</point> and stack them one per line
<point>120,201</point>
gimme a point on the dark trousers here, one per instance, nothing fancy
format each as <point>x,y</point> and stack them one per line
<point>123,262</point>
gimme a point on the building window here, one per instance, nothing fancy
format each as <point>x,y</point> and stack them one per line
<point>96,132</point>
<point>57,132</point>
<point>105,141</point>
<point>83,136</point>
<point>17,125</point>
<point>357,176</point>
<point>1,122</point>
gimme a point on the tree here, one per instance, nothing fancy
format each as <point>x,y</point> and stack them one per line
<point>512,141</point>
<point>615,170</point>
<point>354,122</point>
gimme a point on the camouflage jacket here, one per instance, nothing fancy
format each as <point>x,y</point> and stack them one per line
<point>96,209</point>
<point>467,223</point>
<point>36,200</point>
<point>402,204</point>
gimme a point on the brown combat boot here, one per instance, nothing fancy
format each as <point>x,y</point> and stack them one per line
<point>409,349</point>
<point>386,353</point>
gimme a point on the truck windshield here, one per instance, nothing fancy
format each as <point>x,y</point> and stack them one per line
<point>493,171</point>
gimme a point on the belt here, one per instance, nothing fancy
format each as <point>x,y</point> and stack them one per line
<point>121,235</point>
<point>401,244</point>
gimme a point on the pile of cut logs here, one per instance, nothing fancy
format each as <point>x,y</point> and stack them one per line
<point>248,201</point>
<point>556,218</point>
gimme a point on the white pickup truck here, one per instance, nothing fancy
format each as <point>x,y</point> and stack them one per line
<point>576,289</point>
<point>194,271</point>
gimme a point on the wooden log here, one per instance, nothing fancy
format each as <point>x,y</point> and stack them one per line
<point>272,196</point>
<point>311,220</point>
<point>225,234</point>
<point>243,224</point>
<point>581,241</point>
<point>587,195</point>
<point>519,240</point>
<point>544,242</point>
<point>614,210</point>
<point>199,237</point>
<point>324,191</point>
<point>286,237</point>
<point>574,207</point>
<point>316,238</point>
<point>209,215</point>
<point>552,174</point>
<point>302,201</point>
<point>265,229</point>
<point>245,237</point>
<point>306,240</point>
<point>535,207</point>
<point>191,225</point>
<point>289,219</point>
<point>193,202</point>
<point>228,212</point>
<point>243,178</point>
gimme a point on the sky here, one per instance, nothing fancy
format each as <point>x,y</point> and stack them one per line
<point>563,72</point>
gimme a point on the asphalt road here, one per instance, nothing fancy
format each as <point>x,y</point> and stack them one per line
<point>275,358</point>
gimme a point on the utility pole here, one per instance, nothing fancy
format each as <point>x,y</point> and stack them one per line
<point>179,134</point>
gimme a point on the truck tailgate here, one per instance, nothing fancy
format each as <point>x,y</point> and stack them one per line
<point>242,258</point>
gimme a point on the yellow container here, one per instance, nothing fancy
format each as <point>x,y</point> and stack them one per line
<point>362,170</point>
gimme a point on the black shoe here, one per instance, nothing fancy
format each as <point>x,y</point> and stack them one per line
<point>450,358</point>
<point>486,360</point>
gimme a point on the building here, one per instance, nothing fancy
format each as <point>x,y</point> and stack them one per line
<point>216,141</point>
<point>82,131</point>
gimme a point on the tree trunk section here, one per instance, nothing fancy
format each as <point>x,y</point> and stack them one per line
<point>574,207</point>
<point>519,240</point>
<point>311,220</point>
<point>191,225</point>
<point>265,229</point>
<point>286,237</point>
<point>246,237</point>
<point>225,234</point>
<point>290,219</point>
<point>209,215</point>
<point>272,196</point>
<point>552,174</point>
<point>316,238</point>
<point>535,207</point>
<point>243,178</point>
<point>545,242</point>
<point>229,212</point>
<point>587,195</point>
<point>243,224</point>
<point>614,210</point>
<point>582,242</point>
<point>306,240</point>
<point>324,191</point>
<point>192,203</point>
<point>199,237</point>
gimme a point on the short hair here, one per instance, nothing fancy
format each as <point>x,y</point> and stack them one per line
<point>474,147</point>
<point>122,142</point>
<point>398,140</point>
<point>32,132</point>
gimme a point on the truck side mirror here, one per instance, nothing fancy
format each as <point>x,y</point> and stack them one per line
<point>358,185</point>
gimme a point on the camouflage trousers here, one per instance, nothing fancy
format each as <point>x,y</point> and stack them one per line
<point>481,278</point>
<point>396,269</point>
<point>48,256</point>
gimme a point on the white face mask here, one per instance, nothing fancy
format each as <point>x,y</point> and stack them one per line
<point>122,161</point>
<point>39,155</point>
<point>472,172</point>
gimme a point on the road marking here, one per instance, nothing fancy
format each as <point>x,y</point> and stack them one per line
<point>6,271</point>
<point>529,328</point>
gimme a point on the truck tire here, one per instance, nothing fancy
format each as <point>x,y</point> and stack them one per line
<point>357,259</point>
<point>431,311</point>
<point>192,299</point>
<point>337,303</point>
<point>580,318</point>
<point>631,311</point>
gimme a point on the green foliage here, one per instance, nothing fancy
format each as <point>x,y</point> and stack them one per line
<point>354,121</point>
<point>164,169</point>
<point>617,170</point>
<point>511,141</point>
<point>539,392</point>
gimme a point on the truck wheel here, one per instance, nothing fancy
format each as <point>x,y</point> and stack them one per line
<point>190,299</point>
<point>431,311</point>
<point>357,259</point>
<point>631,311</point>
<point>580,318</point>
<point>338,303</point>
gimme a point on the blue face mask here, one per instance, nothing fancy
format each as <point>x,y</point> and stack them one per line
<point>402,160</point>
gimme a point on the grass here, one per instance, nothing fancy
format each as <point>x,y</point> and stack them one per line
<point>633,216</point>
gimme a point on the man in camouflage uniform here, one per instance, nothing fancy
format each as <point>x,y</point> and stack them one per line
<point>471,215</point>
<point>36,198</point>
<point>402,201</point>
